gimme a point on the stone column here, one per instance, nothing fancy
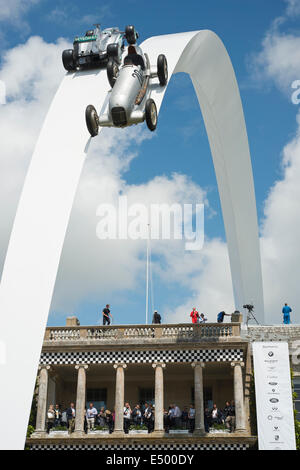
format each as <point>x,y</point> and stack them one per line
<point>159,398</point>
<point>239,396</point>
<point>42,400</point>
<point>199,399</point>
<point>80,398</point>
<point>119,399</point>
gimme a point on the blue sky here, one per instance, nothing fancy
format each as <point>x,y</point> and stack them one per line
<point>270,119</point>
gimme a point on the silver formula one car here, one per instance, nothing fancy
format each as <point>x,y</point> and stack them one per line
<point>130,99</point>
<point>94,49</point>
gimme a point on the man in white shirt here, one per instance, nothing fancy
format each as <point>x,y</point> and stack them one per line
<point>171,417</point>
<point>216,415</point>
<point>202,318</point>
<point>177,415</point>
<point>127,417</point>
<point>91,414</point>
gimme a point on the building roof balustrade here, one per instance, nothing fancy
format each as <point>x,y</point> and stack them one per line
<point>141,334</point>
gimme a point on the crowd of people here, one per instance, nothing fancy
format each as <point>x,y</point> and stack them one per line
<point>138,416</point>
<point>56,417</point>
<point>156,318</point>
<point>141,415</point>
<point>185,419</point>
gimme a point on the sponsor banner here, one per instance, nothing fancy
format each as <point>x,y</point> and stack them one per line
<point>273,390</point>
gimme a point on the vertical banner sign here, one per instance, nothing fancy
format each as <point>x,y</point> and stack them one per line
<point>273,391</point>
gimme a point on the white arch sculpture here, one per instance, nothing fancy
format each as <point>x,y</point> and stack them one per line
<point>42,217</point>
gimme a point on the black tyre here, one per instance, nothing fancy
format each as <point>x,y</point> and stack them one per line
<point>92,120</point>
<point>162,69</point>
<point>151,114</point>
<point>112,71</point>
<point>68,59</point>
<point>130,34</point>
<point>113,52</point>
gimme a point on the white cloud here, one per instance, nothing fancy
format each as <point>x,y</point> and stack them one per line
<point>293,8</point>
<point>13,12</point>
<point>105,267</point>
<point>281,235</point>
<point>206,276</point>
<point>278,61</point>
<point>30,87</point>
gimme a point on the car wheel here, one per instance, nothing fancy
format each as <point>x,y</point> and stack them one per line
<point>112,72</point>
<point>92,120</point>
<point>68,60</point>
<point>113,52</point>
<point>151,114</point>
<point>130,34</point>
<point>162,69</point>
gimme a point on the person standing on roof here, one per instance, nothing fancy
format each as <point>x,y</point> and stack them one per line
<point>194,315</point>
<point>221,315</point>
<point>106,315</point>
<point>156,318</point>
<point>286,314</point>
<point>202,318</point>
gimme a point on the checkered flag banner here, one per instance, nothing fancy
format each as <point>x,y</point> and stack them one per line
<point>142,357</point>
<point>139,447</point>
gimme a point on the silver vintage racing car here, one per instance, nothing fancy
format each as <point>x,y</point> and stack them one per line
<point>130,99</point>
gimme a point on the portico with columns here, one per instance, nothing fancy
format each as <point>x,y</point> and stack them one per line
<point>175,365</point>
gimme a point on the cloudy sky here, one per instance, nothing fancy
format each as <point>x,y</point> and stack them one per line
<point>263,40</point>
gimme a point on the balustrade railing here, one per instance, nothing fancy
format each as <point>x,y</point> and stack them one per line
<point>64,334</point>
<point>127,333</point>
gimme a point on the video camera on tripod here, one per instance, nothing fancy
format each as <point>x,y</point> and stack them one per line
<point>250,314</point>
<point>249,307</point>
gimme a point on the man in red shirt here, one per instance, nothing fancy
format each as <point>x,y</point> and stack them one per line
<point>194,315</point>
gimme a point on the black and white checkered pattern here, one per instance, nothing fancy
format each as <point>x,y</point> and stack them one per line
<point>142,357</point>
<point>140,447</point>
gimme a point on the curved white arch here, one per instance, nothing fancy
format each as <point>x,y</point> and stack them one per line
<point>203,56</point>
<point>42,217</point>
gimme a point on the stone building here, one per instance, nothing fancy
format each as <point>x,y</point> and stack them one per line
<point>162,364</point>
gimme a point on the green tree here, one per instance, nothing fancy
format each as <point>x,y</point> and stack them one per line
<point>252,406</point>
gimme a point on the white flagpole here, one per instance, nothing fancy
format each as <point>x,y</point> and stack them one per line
<point>147,278</point>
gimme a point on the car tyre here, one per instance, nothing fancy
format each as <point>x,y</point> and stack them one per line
<point>68,60</point>
<point>162,69</point>
<point>130,34</point>
<point>151,114</point>
<point>113,52</point>
<point>92,120</point>
<point>112,72</point>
